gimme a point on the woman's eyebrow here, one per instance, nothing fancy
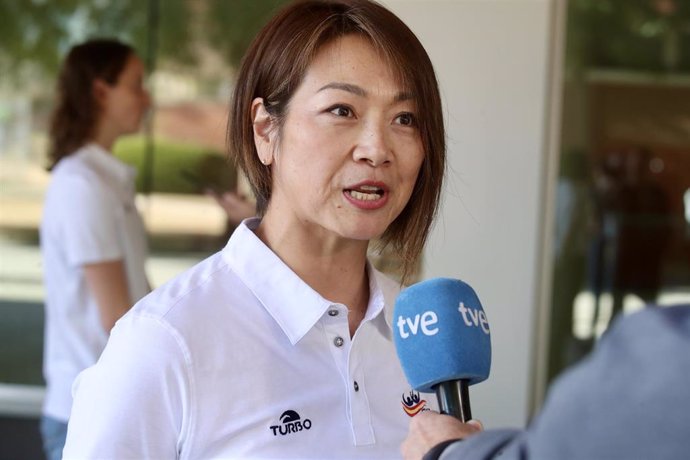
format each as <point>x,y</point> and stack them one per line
<point>359,91</point>
<point>404,96</point>
<point>350,88</point>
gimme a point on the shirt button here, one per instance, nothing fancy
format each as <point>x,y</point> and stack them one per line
<point>332,312</point>
<point>356,386</point>
<point>338,341</point>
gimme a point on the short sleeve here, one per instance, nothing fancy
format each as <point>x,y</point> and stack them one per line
<point>89,222</point>
<point>134,403</point>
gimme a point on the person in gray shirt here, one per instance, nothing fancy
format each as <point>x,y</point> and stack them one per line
<point>630,399</point>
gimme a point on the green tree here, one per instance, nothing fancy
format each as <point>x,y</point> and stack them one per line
<point>648,35</point>
<point>37,33</point>
<point>233,24</point>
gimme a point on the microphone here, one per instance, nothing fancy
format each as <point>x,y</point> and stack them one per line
<point>443,341</point>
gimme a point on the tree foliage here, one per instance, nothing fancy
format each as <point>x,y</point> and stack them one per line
<point>235,24</point>
<point>648,35</point>
<point>38,33</point>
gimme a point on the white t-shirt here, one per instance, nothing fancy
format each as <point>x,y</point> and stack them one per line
<point>239,358</point>
<point>89,216</point>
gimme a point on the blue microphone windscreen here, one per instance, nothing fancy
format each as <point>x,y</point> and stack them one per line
<point>441,334</point>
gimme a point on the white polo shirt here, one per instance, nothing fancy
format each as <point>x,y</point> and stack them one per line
<point>89,216</point>
<point>239,358</point>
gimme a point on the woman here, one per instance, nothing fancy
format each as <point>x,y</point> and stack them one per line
<point>92,237</point>
<point>280,345</point>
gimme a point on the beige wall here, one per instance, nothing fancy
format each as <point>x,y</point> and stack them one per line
<point>492,60</point>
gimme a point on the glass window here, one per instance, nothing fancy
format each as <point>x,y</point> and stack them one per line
<point>191,50</point>
<point>622,233</point>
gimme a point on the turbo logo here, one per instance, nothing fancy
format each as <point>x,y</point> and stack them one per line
<point>413,404</point>
<point>290,422</point>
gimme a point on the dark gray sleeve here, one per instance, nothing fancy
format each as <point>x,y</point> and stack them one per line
<point>486,445</point>
<point>629,399</point>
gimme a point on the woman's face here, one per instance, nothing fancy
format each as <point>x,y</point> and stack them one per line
<point>348,155</point>
<point>124,103</point>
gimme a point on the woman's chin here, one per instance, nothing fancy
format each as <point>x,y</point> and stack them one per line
<point>364,232</point>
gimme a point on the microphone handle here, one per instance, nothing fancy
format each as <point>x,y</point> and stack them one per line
<point>454,399</point>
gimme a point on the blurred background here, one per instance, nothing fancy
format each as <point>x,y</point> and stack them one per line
<point>191,49</point>
<point>617,194</point>
<point>622,231</point>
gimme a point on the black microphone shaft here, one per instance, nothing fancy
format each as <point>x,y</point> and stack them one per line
<point>454,399</point>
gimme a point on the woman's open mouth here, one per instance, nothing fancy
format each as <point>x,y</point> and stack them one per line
<point>367,195</point>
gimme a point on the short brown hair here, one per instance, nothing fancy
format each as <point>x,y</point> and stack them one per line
<point>76,110</point>
<point>275,65</point>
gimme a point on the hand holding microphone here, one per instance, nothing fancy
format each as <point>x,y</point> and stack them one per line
<point>431,432</point>
<point>443,341</point>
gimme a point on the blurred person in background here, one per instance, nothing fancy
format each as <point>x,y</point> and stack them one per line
<point>93,240</point>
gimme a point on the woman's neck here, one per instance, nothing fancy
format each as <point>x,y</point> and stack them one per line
<point>334,267</point>
<point>104,137</point>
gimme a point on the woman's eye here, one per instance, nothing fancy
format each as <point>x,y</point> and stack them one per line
<point>406,119</point>
<point>341,111</point>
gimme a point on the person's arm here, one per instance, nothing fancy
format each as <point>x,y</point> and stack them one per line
<point>431,429</point>
<point>107,282</point>
<point>433,436</point>
<point>91,239</point>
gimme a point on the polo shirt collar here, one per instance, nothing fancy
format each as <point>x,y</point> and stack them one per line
<point>292,303</point>
<point>387,290</point>
<point>109,167</point>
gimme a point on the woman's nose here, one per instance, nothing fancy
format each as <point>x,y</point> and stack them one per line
<point>373,146</point>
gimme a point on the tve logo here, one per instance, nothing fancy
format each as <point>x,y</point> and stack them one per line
<point>477,318</point>
<point>423,322</point>
<point>426,322</point>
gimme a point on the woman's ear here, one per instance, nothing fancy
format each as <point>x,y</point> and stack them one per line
<point>100,90</point>
<point>263,131</point>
